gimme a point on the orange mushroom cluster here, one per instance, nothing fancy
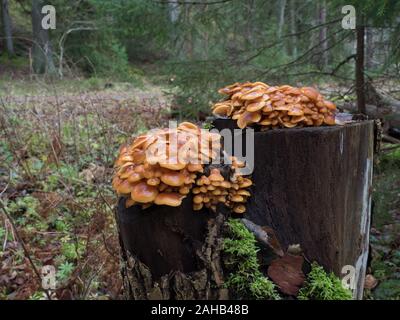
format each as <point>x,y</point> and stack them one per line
<point>214,189</point>
<point>274,106</point>
<point>161,166</point>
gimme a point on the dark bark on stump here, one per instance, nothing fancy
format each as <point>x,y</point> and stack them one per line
<point>171,253</point>
<point>312,186</point>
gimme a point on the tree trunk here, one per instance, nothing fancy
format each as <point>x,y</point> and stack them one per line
<point>369,50</point>
<point>171,253</point>
<point>173,11</point>
<point>281,17</point>
<point>313,187</point>
<point>323,35</point>
<point>293,28</point>
<point>42,49</point>
<point>360,81</point>
<point>7,27</point>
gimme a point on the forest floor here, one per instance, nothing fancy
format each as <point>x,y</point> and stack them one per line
<point>58,142</point>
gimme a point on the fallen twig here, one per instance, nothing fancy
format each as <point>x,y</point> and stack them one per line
<point>263,237</point>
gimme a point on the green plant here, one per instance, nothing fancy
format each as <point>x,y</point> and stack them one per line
<point>72,250</point>
<point>24,209</point>
<point>36,296</point>
<point>322,286</point>
<point>240,258</point>
<point>64,271</point>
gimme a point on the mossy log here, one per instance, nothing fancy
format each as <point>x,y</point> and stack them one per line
<point>313,187</point>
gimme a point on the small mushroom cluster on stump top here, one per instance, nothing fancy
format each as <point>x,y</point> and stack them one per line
<point>214,189</point>
<point>274,106</point>
<point>161,167</point>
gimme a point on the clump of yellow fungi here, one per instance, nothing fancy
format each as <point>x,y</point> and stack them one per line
<point>160,167</point>
<point>274,106</point>
<point>214,189</point>
<point>163,166</point>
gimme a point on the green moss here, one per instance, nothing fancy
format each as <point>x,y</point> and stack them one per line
<point>322,286</point>
<point>240,258</point>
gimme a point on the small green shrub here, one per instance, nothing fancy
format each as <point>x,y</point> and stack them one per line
<point>322,286</point>
<point>240,258</point>
<point>64,271</point>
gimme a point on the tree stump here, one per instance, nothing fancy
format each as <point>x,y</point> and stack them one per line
<point>170,252</point>
<point>313,187</point>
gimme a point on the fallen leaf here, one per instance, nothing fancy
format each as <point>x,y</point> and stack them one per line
<point>370,282</point>
<point>287,274</point>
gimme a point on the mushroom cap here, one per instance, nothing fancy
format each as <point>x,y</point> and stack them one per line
<point>248,118</point>
<point>230,89</point>
<point>310,93</point>
<point>223,109</point>
<point>252,94</point>
<point>330,105</point>
<point>245,183</point>
<point>237,198</point>
<point>216,175</point>
<point>197,206</point>
<point>188,126</point>
<point>225,184</point>
<point>240,208</point>
<point>138,156</point>
<point>144,193</point>
<point>198,198</point>
<point>243,192</point>
<point>329,120</point>
<point>169,199</point>
<point>172,165</point>
<point>289,124</point>
<point>173,178</point>
<point>296,111</point>
<point>297,119</point>
<point>265,122</point>
<point>134,177</point>
<point>153,181</point>
<point>255,106</point>
<point>125,187</point>
<point>139,142</point>
<point>195,167</point>
<point>184,190</point>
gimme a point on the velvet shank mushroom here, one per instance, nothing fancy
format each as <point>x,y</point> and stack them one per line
<point>274,107</point>
<point>156,168</point>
